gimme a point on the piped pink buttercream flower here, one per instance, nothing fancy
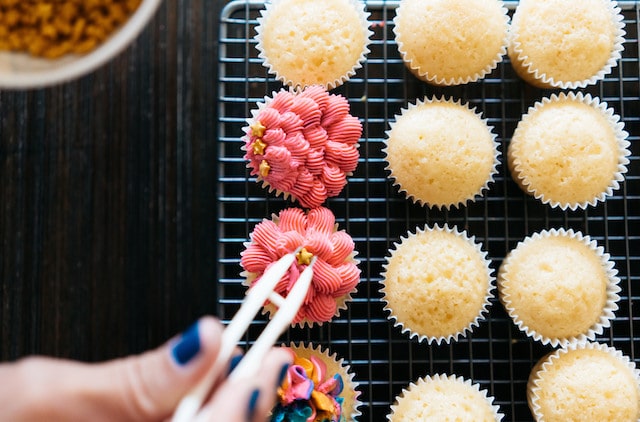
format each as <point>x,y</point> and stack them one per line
<point>303,144</point>
<point>335,273</point>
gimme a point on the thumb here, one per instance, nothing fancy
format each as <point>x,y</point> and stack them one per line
<point>148,387</point>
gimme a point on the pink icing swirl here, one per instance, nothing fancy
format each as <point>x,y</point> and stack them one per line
<point>335,273</point>
<point>309,142</point>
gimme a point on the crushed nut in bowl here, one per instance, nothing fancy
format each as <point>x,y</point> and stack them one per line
<point>47,42</point>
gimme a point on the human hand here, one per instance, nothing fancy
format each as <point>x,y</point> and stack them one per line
<point>147,387</point>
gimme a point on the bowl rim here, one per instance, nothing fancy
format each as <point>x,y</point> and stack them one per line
<point>83,65</point>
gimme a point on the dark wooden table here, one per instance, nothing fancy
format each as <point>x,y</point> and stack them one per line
<point>107,226</point>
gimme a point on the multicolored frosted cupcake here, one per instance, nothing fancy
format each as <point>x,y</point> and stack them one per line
<point>335,272</point>
<point>444,398</point>
<point>318,387</point>
<point>569,151</point>
<point>441,153</point>
<point>565,44</point>
<point>310,42</point>
<point>585,382</point>
<point>303,144</point>
<point>451,42</point>
<point>437,284</point>
<point>559,286</point>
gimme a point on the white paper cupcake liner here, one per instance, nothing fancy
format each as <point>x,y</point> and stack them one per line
<point>424,201</point>
<point>612,288</point>
<point>270,309</point>
<point>433,77</point>
<point>543,365</point>
<point>514,156</point>
<point>527,71</point>
<point>413,332</point>
<point>335,365</point>
<point>359,8</point>
<point>438,378</point>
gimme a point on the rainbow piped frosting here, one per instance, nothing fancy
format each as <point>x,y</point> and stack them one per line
<point>309,393</point>
<point>303,144</point>
<point>335,273</point>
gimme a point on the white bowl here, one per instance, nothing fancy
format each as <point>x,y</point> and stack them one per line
<point>22,71</point>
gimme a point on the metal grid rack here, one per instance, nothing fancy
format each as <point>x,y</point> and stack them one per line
<point>496,355</point>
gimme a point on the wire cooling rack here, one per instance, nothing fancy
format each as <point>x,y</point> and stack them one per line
<point>496,355</point>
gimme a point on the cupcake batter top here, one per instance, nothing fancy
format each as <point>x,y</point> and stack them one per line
<point>557,286</point>
<point>441,153</point>
<point>311,42</point>
<point>565,151</point>
<point>436,283</point>
<point>587,385</point>
<point>451,41</point>
<point>442,398</point>
<point>564,39</point>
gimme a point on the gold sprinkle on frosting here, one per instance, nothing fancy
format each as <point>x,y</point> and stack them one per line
<point>264,168</point>
<point>304,257</point>
<point>257,129</point>
<point>259,146</point>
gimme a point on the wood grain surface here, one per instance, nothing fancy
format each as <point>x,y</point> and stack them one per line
<point>107,194</point>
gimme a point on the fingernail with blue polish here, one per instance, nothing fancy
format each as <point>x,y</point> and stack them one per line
<point>234,362</point>
<point>188,346</point>
<point>283,373</point>
<point>253,404</point>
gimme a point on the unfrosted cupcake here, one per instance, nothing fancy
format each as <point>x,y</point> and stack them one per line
<point>310,42</point>
<point>303,144</point>
<point>441,153</point>
<point>437,284</point>
<point>559,286</point>
<point>317,387</point>
<point>569,151</point>
<point>451,42</point>
<point>585,382</point>
<point>565,43</point>
<point>441,398</point>
<point>335,272</point>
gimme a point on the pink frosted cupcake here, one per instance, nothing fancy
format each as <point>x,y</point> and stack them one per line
<point>335,272</point>
<point>303,144</point>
